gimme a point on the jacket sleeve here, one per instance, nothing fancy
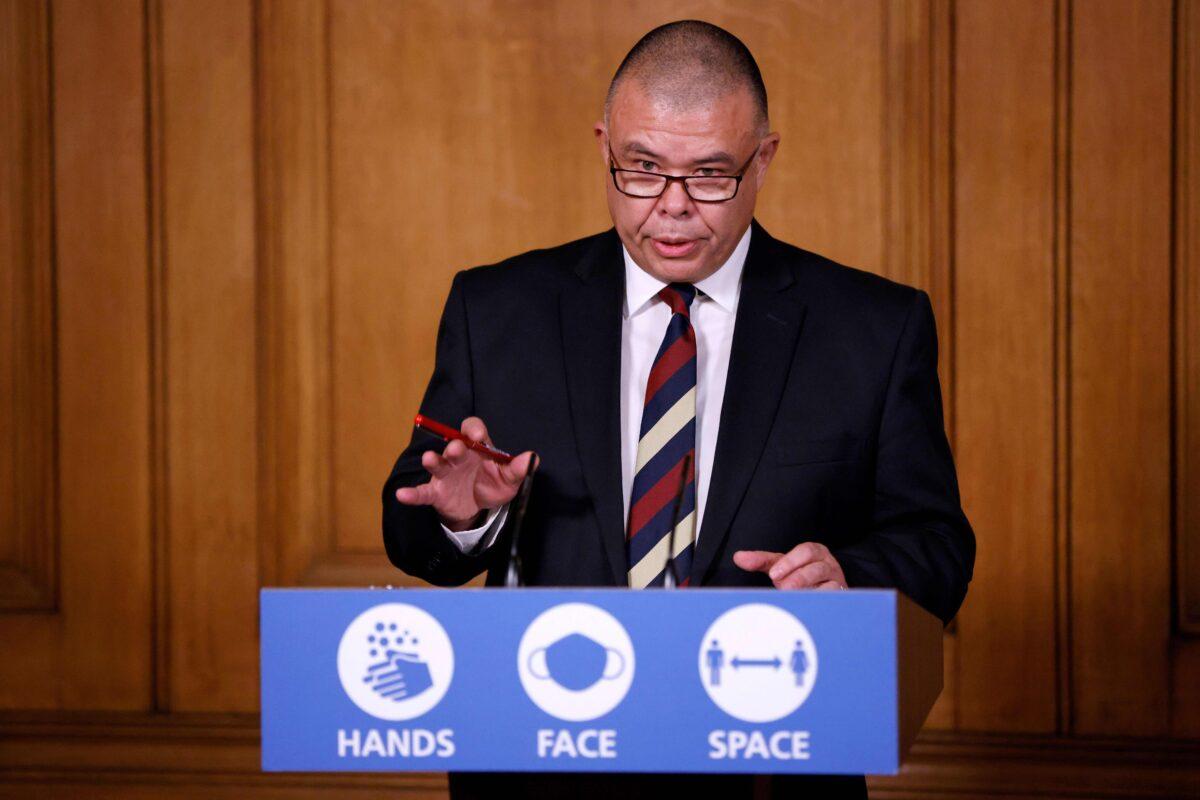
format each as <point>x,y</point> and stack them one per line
<point>413,535</point>
<point>919,540</point>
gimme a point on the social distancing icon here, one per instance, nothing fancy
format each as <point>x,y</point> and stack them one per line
<point>757,662</point>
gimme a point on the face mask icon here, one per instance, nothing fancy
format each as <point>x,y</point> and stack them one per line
<point>576,662</point>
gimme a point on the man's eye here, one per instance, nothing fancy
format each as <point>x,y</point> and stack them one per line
<point>706,172</point>
<point>647,166</point>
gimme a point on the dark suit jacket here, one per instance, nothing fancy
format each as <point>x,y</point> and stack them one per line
<point>831,428</point>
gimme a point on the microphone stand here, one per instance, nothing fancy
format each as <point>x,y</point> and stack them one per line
<point>514,578</point>
<point>670,574</point>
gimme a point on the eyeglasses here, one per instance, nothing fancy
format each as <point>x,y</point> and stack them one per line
<point>701,188</point>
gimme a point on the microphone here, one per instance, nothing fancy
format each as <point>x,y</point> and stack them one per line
<point>670,574</point>
<point>513,577</point>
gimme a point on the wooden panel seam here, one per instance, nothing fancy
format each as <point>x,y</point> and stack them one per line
<point>1187,326</point>
<point>1185,432</point>
<point>1062,361</point>
<point>160,633</point>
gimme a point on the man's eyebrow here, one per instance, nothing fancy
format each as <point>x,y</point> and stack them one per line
<point>716,157</point>
<point>637,148</point>
<point>719,157</point>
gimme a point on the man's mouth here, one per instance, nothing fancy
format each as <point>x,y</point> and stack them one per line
<point>674,248</point>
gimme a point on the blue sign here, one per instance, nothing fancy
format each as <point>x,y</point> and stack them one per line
<point>694,680</point>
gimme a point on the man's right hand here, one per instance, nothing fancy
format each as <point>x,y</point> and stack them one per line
<point>464,484</point>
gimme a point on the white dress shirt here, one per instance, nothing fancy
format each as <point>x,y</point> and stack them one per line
<point>643,326</point>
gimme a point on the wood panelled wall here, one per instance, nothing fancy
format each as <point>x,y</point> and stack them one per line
<point>227,229</point>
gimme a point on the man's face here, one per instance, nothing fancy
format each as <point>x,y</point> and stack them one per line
<point>673,237</point>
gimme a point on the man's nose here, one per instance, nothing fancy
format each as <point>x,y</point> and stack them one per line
<point>674,200</point>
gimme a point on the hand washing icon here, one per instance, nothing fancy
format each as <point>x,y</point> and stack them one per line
<point>395,661</point>
<point>576,662</point>
<point>399,674</point>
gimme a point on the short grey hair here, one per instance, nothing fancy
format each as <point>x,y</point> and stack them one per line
<point>690,63</point>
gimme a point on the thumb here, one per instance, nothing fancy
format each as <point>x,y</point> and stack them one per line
<point>514,471</point>
<point>473,428</point>
<point>756,560</point>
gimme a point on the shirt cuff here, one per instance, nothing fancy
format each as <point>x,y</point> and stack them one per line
<point>479,539</point>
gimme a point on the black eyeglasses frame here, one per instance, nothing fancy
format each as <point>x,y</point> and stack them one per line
<point>613,169</point>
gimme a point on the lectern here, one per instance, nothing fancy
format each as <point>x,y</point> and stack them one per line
<point>691,680</point>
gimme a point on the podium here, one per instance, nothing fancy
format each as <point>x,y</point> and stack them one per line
<point>605,680</point>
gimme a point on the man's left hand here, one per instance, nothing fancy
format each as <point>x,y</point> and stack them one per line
<point>806,566</point>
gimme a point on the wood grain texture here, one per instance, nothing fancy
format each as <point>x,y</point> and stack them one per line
<point>1120,305</point>
<point>917,153</point>
<point>295,470</point>
<point>103,756</point>
<point>918,666</point>
<point>226,234</point>
<point>1004,334</point>
<point>828,69</point>
<point>205,135</point>
<point>963,765</point>
<point>95,652</point>
<point>28,525</point>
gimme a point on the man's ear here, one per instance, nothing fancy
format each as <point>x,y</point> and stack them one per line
<point>766,153</point>
<point>602,140</point>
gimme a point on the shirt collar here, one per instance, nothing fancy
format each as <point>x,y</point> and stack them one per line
<point>723,286</point>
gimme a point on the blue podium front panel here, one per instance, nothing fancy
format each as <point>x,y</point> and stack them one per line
<point>693,680</point>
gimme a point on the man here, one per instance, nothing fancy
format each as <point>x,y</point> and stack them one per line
<point>795,400</point>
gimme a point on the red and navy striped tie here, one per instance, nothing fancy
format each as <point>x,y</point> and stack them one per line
<point>666,442</point>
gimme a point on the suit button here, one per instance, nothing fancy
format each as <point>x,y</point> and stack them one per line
<point>434,563</point>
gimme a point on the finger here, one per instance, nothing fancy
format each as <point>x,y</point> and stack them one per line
<point>434,464</point>
<point>755,560</point>
<point>456,453</point>
<point>829,585</point>
<point>474,429</point>
<point>415,495</point>
<point>490,470</point>
<point>795,558</point>
<point>492,489</point>
<point>514,471</point>
<point>807,576</point>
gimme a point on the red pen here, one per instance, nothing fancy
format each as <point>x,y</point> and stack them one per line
<point>450,434</point>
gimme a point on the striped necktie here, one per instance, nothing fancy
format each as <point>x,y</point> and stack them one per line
<point>667,439</point>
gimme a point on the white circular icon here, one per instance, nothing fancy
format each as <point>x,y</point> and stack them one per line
<point>758,663</point>
<point>575,661</point>
<point>395,661</point>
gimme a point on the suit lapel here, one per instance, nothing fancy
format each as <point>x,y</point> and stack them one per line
<point>764,339</point>
<point>590,310</point>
